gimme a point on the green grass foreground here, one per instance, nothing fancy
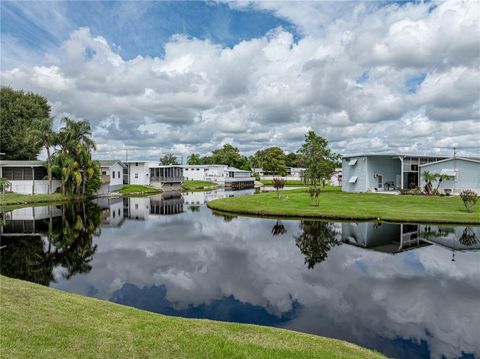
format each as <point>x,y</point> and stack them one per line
<point>196,185</point>
<point>137,188</point>
<point>287,183</point>
<point>335,204</point>
<point>41,322</point>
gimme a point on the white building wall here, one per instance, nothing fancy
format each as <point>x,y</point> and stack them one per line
<point>195,173</point>
<point>138,173</point>
<point>28,187</point>
<point>468,174</point>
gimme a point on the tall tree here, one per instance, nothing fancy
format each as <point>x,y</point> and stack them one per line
<point>18,110</point>
<point>169,159</point>
<point>228,155</point>
<point>74,164</point>
<point>319,161</point>
<point>274,161</point>
<point>194,159</point>
<point>41,132</point>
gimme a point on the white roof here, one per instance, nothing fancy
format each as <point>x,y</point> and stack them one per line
<point>451,159</point>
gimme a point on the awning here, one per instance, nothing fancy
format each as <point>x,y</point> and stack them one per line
<point>353,179</point>
<point>449,172</point>
<point>352,162</point>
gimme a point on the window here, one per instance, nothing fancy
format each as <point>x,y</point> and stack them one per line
<point>352,162</point>
<point>113,214</point>
<point>353,179</point>
<point>104,173</point>
<point>118,174</point>
<point>136,164</point>
<point>136,205</point>
<point>113,174</point>
<point>136,175</point>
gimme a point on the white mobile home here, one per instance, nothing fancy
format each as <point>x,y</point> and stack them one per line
<point>27,177</point>
<point>463,173</point>
<point>111,172</point>
<point>382,172</point>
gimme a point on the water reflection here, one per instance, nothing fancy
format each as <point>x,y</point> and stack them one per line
<point>315,240</point>
<point>35,241</point>
<point>384,286</point>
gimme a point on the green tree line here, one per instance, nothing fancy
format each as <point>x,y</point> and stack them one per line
<point>26,129</point>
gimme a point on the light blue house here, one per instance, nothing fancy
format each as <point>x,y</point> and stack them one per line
<point>463,173</point>
<point>382,172</point>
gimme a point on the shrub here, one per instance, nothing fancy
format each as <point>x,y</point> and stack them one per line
<point>469,199</point>
<point>314,192</point>
<point>278,184</point>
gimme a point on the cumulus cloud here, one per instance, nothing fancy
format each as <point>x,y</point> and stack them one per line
<point>362,75</point>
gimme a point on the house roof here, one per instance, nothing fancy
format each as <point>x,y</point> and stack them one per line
<point>234,169</point>
<point>15,163</point>
<point>109,163</point>
<point>452,158</point>
<point>393,155</point>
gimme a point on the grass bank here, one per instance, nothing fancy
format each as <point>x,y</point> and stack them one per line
<point>198,185</point>
<point>40,322</point>
<point>287,183</point>
<point>335,204</point>
<point>134,189</point>
<point>16,199</point>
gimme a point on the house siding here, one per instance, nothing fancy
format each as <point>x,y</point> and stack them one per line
<point>468,174</point>
<point>359,170</point>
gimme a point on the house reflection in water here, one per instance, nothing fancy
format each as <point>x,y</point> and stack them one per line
<point>397,238</point>
<point>112,211</point>
<point>140,208</point>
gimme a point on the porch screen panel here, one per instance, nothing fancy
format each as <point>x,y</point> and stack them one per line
<point>18,173</point>
<point>7,172</point>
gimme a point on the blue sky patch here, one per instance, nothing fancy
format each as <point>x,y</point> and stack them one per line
<point>413,81</point>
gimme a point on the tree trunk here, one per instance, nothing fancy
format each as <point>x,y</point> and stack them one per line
<point>49,168</point>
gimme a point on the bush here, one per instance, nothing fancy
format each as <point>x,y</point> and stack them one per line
<point>278,184</point>
<point>469,199</point>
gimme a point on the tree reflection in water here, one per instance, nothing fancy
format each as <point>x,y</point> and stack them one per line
<point>316,239</point>
<point>69,245</point>
<point>468,237</point>
<point>279,229</point>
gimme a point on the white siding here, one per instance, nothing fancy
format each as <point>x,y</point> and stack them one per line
<point>468,174</point>
<point>138,173</point>
<point>29,187</point>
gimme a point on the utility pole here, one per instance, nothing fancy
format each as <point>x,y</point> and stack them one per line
<point>3,186</point>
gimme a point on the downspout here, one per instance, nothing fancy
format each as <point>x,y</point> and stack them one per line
<point>33,181</point>
<point>401,171</point>
<point>366,173</point>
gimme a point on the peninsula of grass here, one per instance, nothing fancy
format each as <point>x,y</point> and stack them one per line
<point>337,205</point>
<point>287,183</point>
<point>41,322</point>
<point>136,189</point>
<point>198,185</point>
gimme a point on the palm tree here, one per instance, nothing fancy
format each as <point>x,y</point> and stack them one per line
<point>41,131</point>
<point>428,178</point>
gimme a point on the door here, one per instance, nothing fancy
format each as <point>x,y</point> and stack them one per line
<point>380,182</point>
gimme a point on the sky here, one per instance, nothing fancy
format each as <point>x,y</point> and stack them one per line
<point>183,77</point>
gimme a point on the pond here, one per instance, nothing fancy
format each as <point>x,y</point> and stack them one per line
<point>409,291</point>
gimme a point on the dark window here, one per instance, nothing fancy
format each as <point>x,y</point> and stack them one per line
<point>104,173</point>
<point>40,173</point>
<point>118,174</point>
<point>113,174</point>
<point>7,172</point>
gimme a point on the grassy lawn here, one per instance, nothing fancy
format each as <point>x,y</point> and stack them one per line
<point>137,188</point>
<point>335,204</point>
<point>16,198</point>
<point>40,322</point>
<point>287,183</point>
<point>193,185</point>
